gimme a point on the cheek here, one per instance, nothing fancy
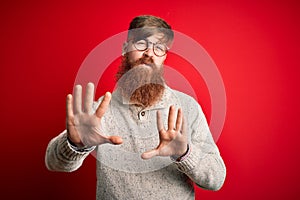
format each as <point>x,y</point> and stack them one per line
<point>134,55</point>
<point>159,61</point>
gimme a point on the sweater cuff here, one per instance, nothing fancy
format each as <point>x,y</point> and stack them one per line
<point>190,161</point>
<point>79,149</point>
<point>68,152</point>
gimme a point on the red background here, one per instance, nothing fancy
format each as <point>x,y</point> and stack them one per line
<point>255,46</point>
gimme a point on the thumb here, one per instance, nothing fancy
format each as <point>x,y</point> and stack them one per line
<point>149,154</point>
<point>115,140</point>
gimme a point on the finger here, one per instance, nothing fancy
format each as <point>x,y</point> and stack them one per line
<point>179,120</point>
<point>69,106</point>
<point>115,140</point>
<point>77,99</point>
<point>149,154</point>
<point>160,125</point>
<point>89,98</point>
<point>184,126</point>
<point>103,105</point>
<point>171,118</point>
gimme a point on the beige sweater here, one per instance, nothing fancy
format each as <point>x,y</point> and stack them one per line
<point>122,174</point>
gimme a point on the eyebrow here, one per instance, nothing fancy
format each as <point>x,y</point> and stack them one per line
<point>159,41</point>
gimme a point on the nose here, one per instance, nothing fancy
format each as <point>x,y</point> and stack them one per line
<point>149,51</point>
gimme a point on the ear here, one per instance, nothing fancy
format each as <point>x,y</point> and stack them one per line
<point>124,48</point>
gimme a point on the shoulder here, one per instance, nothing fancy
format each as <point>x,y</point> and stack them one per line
<point>183,98</point>
<point>189,104</point>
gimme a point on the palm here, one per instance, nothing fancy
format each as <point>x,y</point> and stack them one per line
<point>84,127</point>
<point>173,141</point>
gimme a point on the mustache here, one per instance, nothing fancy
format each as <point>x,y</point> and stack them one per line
<point>144,60</point>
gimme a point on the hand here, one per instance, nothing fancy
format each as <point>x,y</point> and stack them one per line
<point>84,127</point>
<point>173,142</point>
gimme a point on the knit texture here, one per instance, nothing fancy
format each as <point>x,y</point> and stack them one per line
<point>122,174</point>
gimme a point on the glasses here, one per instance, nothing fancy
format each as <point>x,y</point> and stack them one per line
<point>159,49</point>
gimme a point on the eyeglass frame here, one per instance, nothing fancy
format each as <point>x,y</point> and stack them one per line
<point>153,47</point>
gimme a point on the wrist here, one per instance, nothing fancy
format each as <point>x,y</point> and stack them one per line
<point>79,148</point>
<point>77,145</point>
<point>74,140</point>
<point>183,156</point>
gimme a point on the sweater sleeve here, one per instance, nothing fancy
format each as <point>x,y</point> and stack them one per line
<point>60,156</point>
<point>203,165</point>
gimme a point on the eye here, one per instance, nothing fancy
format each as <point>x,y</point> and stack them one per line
<point>141,44</point>
<point>160,47</point>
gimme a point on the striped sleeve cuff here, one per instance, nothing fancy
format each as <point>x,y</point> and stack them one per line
<point>79,149</point>
<point>69,153</point>
<point>189,161</point>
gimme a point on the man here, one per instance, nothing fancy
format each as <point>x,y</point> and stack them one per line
<point>151,142</point>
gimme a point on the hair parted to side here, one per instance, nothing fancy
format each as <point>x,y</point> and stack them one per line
<point>144,26</point>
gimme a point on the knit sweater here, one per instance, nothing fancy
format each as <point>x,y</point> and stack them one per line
<point>122,174</point>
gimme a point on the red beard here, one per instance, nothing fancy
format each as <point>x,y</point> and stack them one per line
<point>141,85</point>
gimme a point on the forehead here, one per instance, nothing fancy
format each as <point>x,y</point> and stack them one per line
<point>147,32</point>
<point>158,37</point>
